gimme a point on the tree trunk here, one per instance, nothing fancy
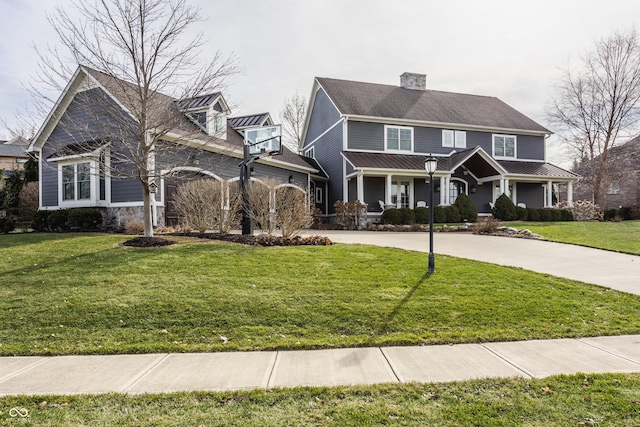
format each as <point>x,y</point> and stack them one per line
<point>146,216</point>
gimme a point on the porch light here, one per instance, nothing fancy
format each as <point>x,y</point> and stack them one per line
<point>430,165</point>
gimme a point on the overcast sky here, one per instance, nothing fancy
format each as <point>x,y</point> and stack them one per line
<point>505,48</point>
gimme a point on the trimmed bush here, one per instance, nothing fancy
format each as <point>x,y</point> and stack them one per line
<point>421,215</point>
<point>556,215</point>
<point>545,214</point>
<point>453,214</point>
<point>609,214</point>
<point>566,215</point>
<point>390,216</point>
<point>504,209</point>
<point>7,225</point>
<point>39,222</point>
<point>85,219</point>
<point>58,220</point>
<point>624,213</point>
<point>439,215</point>
<point>522,213</point>
<point>406,216</point>
<point>467,208</point>
<point>533,214</point>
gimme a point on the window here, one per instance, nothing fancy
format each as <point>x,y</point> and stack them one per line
<point>76,181</point>
<point>398,138</point>
<point>457,139</point>
<point>504,146</point>
<point>456,187</point>
<point>400,193</point>
<point>614,187</point>
<point>318,194</point>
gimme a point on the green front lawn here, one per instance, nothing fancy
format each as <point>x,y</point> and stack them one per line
<point>577,400</point>
<point>621,236</point>
<point>86,294</point>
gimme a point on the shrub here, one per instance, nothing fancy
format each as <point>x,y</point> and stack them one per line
<point>199,204</point>
<point>545,214</point>
<point>7,224</point>
<point>566,215</point>
<point>584,210</point>
<point>28,204</point>
<point>439,214</point>
<point>85,219</point>
<point>292,211</point>
<point>467,208</point>
<point>40,220</point>
<point>504,209</point>
<point>351,215</point>
<point>556,215</point>
<point>635,212</point>
<point>488,226</point>
<point>391,216</point>
<point>58,220</point>
<point>406,216</point>
<point>421,215</point>
<point>522,213</point>
<point>453,214</point>
<point>609,214</point>
<point>533,214</point>
<point>624,213</point>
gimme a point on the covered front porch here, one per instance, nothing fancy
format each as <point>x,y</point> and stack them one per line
<point>405,183</point>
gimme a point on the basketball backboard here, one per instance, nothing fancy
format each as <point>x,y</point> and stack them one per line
<point>264,140</point>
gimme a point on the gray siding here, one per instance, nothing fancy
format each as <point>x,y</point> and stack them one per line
<point>374,189</point>
<point>172,156</point>
<point>531,194</point>
<point>530,147</point>
<point>126,190</point>
<point>353,190</point>
<point>262,171</point>
<point>482,196</point>
<point>365,136</point>
<point>49,181</point>
<point>328,153</point>
<point>323,116</point>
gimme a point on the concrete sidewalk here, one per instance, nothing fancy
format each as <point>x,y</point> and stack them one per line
<point>160,373</point>
<point>605,268</point>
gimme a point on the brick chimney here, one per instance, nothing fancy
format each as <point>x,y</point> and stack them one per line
<point>413,81</point>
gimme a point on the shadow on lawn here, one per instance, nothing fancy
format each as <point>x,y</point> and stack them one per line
<point>385,327</point>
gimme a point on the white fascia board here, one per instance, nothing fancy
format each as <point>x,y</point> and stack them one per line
<point>404,172</point>
<point>538,178</point>
<point>349,161</point>
<point>442,125</point>
<point>479,150</point>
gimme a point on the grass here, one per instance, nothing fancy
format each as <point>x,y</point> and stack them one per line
<point>576,400</point>
<point>621,236</point>
<point>86,294</point>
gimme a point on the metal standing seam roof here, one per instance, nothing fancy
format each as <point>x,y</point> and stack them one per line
<point>197,102</point>
<point>431,106</point>
<point>416,163</point>
<point>248,121</point>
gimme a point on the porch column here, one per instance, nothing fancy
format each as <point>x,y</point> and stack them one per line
<point>505,187</point>
<point>501,187</point>
<point>387,194</point>
<point>443,185</point>
<point>570,194</point>
<point>549,194</point>
<point>360,187</point>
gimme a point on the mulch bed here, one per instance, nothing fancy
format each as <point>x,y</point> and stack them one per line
<point>148,242</point>
<point>262,239</point>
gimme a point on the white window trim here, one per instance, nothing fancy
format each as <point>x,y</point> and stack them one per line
<point>458,138</point>
<point>386,127</point>
<point>94,184</point>
<point>318,195</point>
<point>493,147</point>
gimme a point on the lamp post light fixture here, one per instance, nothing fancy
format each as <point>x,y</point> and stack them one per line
<point>430,165</point>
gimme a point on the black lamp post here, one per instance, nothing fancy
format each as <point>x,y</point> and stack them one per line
<point>430,165</point>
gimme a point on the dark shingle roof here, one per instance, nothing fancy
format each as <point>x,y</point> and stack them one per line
<point>9,150</point>
<point>393,102</point>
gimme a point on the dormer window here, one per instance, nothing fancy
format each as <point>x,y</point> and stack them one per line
<point>209,112</point>
<point>200,118</point>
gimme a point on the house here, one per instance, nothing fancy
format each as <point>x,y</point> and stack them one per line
<point>623,189</point>
<point>13,155</point>
<point>85,149</point>
<point>371,141</point>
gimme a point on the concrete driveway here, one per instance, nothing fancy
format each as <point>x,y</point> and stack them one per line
<point>604,268</point>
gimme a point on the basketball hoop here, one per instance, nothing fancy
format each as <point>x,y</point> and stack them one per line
<point>263,141</point>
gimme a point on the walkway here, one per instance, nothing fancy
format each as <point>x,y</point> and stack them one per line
<point>160,373</point>
<point>604,268</point>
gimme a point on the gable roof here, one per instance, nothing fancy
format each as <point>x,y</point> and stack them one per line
<point>372,100</point>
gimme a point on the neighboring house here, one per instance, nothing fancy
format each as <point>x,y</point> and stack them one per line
<point>623,189</point>
<point>77,154</point>
<point>13,155</point>
<point>371,140</point>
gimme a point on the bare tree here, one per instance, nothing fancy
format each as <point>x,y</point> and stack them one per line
<point>135,49</point>
<point>594,107</point>
<point>292,118</point>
